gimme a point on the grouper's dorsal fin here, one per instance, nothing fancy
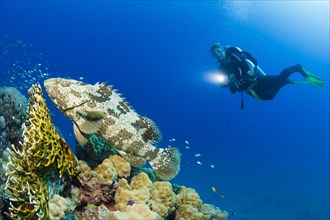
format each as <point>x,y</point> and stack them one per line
<point>133,160</point>
<point>91,121</point>
<point>79,136</point>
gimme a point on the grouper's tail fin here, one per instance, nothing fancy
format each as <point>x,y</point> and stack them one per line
<point>166,163</point>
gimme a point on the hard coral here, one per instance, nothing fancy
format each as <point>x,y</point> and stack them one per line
<point>135,211</point>
<point>12,115</point>
<point>57,207</point>
<point>122,166</point>
<point>188,212</point>
<point>163,198</point>
<point>27,192</point>
<point>93,189</point>
<point>106,172</point>
<point>46,147</point>
<point>42,155</point>
<point>212,212</point>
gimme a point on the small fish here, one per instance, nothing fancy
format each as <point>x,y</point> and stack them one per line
<point>214,189</point>
<point>198,162</point>
<point>171,140</point>
<point>187,147</point>
<point>222,196</point>
<point>81,78</point>
<point>198,155</point>
<point>212,166</point>
<point>98,109</point>
<point>187,142</point>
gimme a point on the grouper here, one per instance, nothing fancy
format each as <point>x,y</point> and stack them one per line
<point>99,109</point>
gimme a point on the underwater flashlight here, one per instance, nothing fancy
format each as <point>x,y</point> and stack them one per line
<point>217,78</point>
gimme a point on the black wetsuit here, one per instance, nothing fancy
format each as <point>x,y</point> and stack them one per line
<point>268,86</point>
<point>260,86</point>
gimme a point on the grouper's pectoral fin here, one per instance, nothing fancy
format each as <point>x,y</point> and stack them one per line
<point>91,121</point>
<point>79,136</point>
<point>135,161</point>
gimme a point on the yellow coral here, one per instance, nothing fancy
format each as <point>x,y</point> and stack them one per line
<point>42,152</point>
<point>85,169</point>
<point>122,166</point>
<point>135,211</point>
<point>106,172</point>
<point>187,212</point>
<point>188,196</point>
<point>57,207</point>
<point>141,181</point>
<point>126,193</point>
<point>45,146</point>
<point>27,193</point>
<point>163,198</point>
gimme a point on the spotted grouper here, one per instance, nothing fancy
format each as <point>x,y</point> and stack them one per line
<point>99,109</point>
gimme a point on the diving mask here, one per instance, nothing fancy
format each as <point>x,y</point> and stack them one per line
<point>218,52</point>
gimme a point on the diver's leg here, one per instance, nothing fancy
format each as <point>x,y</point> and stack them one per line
<point>287,72</point>
<point>310,78</point>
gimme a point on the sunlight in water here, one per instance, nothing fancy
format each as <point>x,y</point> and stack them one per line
<point>300,24</point>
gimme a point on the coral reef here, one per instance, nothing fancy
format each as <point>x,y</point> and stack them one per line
<point>12,116</point>
<point>95,151</point>
<point>118,197</point>
<point>38,186</point>
<point>42,156</point>
<point>57,207</point>
<point>135,211</point>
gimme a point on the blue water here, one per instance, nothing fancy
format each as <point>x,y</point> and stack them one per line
<point>271,160</point>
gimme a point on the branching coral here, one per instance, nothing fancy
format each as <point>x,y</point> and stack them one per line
<point>42,154</point>
<point>27,192</point>
<point>46,147</point>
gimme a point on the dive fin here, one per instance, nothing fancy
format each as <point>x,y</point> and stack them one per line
<point>166,164</point>
<point>297,82</point>
<point>313,79</point>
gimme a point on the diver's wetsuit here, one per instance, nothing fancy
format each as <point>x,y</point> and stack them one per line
<point>268,86</point>
<point>258,85</point>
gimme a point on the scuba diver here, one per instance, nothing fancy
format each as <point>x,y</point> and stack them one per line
<point>241,73</point>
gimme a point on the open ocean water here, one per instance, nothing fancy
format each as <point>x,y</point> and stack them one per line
<point>268,161</point>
